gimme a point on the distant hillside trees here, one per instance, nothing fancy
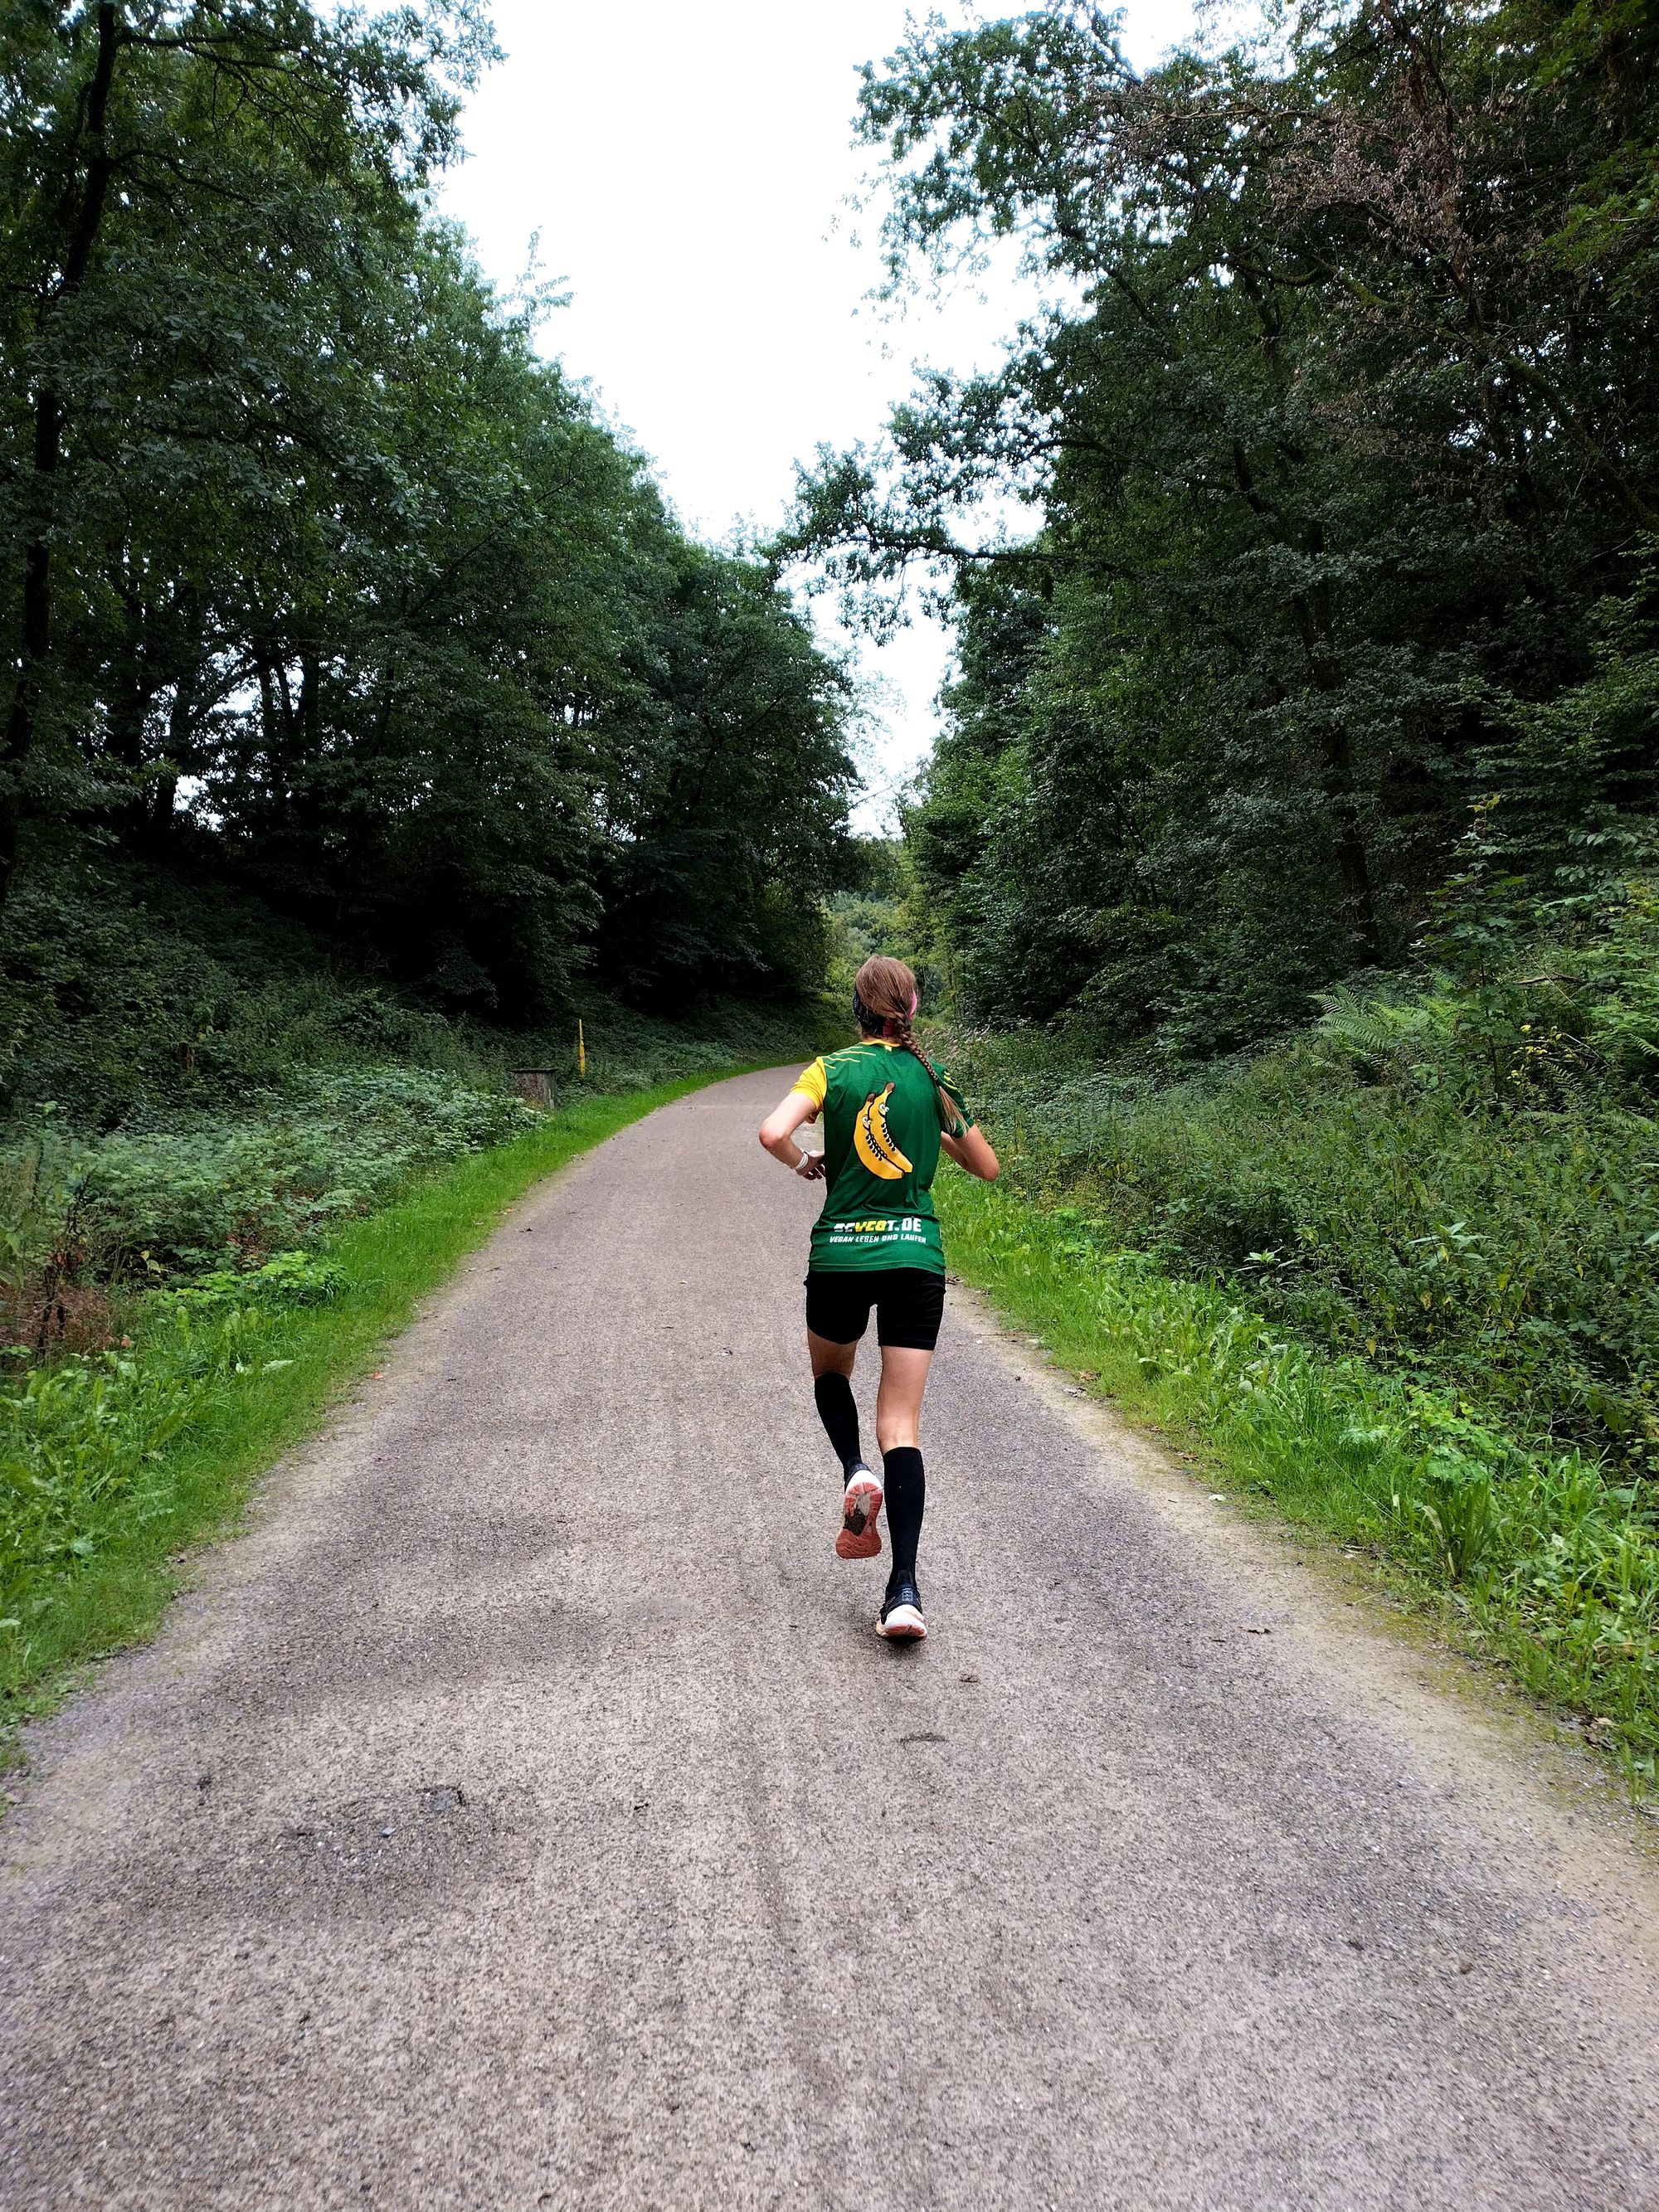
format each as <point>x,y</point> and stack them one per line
<point>315,574</point>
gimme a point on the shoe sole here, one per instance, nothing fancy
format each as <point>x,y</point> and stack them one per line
<point>860,1538</point>
<point>903,1624</point>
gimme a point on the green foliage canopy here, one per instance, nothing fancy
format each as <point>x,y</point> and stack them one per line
<point>315,574</point>
<point>1343,440</point>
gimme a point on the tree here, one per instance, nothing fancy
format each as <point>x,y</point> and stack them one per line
<point>321,576</point>
<point>717,869</point>
<point>132,117</point>
<point>1349,426</point>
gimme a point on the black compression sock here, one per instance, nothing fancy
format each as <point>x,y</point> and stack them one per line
<point>906,1487</point>
<point>833,1395</point>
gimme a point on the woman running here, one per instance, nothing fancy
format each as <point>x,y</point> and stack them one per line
<point>887,1112</point>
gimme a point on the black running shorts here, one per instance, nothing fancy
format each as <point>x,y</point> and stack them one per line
<point>909,1303</point>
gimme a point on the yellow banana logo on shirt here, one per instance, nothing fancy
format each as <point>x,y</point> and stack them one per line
<point>872,1140</point>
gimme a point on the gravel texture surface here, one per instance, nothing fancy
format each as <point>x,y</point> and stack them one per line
<point>524,1812</point>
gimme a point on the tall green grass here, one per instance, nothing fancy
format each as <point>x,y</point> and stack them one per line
<point>112,1462</point>
<point>1505,1253</point>
<point>1550,1565</point>
<point>1453,1173</point>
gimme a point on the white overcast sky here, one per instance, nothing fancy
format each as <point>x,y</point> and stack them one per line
<point>688,167</point>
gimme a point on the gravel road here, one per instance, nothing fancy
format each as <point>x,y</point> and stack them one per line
<point>524,1812</point>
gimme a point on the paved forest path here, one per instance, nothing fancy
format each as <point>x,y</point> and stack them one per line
<point>524,1814</point>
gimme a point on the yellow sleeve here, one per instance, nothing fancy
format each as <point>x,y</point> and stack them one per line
<point>815,1082</point>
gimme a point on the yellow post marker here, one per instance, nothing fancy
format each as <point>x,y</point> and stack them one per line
<point>581,1051</point>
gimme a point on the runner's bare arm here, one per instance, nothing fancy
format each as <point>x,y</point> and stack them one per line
<point>971,1150</point>
<point>777,1133</point>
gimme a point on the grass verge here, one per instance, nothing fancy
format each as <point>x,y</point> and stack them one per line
<point>1542,1563</point>
<point>114,1464</point>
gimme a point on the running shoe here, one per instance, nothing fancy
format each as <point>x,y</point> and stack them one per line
<point>860,1504</point>
<point>901,1619</point>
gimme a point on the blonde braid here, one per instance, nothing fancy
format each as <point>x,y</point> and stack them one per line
<point>884,1002</point>
<point>903,1027</point>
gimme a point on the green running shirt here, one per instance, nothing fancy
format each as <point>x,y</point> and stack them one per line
<point>881,1148</point>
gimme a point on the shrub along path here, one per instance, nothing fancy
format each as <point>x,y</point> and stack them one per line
<point>524,1812</point>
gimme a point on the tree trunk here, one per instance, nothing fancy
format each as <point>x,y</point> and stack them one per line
<point>34,630</point>
<point>133,687</point>
<point>1316,621</point>
<point>181,720</point>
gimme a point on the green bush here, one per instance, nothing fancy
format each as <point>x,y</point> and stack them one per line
<point>1456,1181</point>
<point>128,993</point>
<point>176,1195</point>
<point>226,1191</point>
<point>141,998</point>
